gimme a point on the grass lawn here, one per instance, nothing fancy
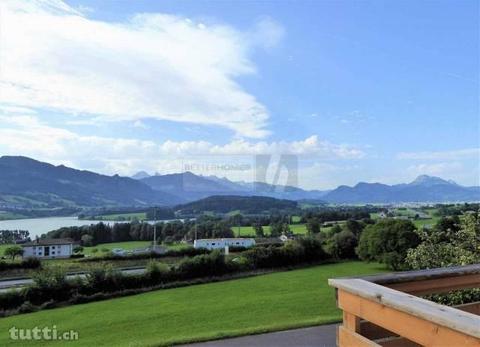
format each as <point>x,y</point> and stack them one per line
<point>125,245</point>
<point>238,307</point>
<point>250,231</point>
<point>420,223</point>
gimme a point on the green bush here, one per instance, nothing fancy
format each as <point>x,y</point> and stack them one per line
<point>304,250</point>
<point>388,242</point>
<point>27,263</point>
<point>182,252</point>
<point>212,264</point>
<point>342,245</point>
<point>104,279</point>
<point>49,278</point>
<point>157,271</point>
<point>451,242</point>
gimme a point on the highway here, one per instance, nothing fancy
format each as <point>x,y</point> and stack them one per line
<point>20,282</point>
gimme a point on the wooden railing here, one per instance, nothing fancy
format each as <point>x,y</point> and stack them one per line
<point>384,310</point>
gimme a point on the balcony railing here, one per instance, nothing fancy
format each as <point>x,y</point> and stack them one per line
<point>384,310</point>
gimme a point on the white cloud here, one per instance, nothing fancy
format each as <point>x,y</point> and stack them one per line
<point>27,135</point>
<point>140,124</point>
<point>151,66</point>
<point>267,33</point>
<point>466,153</point>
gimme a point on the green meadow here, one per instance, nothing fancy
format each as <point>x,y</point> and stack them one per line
<point>257,304</point>
<point>123,216</point>
<point>101,248</point>
<point>250,231</point>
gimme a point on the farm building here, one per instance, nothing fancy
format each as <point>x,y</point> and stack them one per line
<point>48,248</point>
<point>222,243</point>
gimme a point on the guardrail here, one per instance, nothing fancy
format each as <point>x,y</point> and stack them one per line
<point>383,310</point>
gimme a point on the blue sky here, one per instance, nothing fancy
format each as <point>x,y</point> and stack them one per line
<point>359,91</point>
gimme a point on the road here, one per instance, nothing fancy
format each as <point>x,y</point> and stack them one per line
<point>319,336</point>
<point>15,283</point>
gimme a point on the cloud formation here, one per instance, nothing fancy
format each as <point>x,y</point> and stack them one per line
<point>153,65</point>
<point>466,153</point>
<point>26,134</point>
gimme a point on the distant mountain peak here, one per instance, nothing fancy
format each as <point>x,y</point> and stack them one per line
<point>140,174</point>
<point>427,180</point>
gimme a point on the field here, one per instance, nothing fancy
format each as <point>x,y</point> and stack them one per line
<point>258,304</point>
<point>250,231</point>
<point>109,246</point>
<point>300,229</point>
<point>123,216</point>
<point>420,223</point>
<point>407,212</point>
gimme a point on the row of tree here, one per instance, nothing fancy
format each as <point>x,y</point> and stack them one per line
<point>91,235</point>
<point>13,236</point>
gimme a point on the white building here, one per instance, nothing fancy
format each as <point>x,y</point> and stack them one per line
<point>222,243</point>
<point>48,248</point>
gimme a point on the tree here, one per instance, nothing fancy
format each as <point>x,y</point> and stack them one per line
<point>87,240</point>
<point>388,242</point>
<point>259,230</point>
<point>354,227</point>
<point>276,229</point>
<point>313,226</point>
<point>449,243</point>
<point>442,247</point>
<point>342,245</point>
<point>336,229</point>
<point>13,252</point>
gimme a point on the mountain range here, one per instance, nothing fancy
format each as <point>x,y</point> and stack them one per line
<point>28,183</point>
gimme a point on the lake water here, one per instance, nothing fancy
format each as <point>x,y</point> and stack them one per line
<point>38,226</point>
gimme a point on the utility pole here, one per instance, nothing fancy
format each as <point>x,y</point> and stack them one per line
<point>154,229</point>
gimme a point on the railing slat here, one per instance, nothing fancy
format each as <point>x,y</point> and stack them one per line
<point>419,330</point>
<point>348,338</point>
<point>439,285</point>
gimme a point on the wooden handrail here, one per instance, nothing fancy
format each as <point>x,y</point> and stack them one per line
<point>379,311</point>
<point>440,314</point>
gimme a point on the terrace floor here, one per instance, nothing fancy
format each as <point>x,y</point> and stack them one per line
<point>318,336</point>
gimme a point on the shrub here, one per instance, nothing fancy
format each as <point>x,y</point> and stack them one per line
<point>305,250</point>
<point>451,242</point>
<point>27,307</point>
<point>50,278</point>
<point>104,279</point>
<point>313,249</point>
<point>78,249</point>
<point>48,284</point>
<point>186,251</point>
<point>342,245</point>
<point>28,263</point>
<point>157,271</point>
<point>212,264</point>
<point>31,263</point>
<point>388,242</point>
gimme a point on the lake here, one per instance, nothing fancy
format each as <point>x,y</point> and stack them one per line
<point>38,226</point>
